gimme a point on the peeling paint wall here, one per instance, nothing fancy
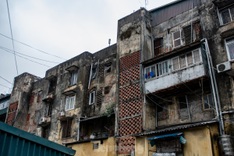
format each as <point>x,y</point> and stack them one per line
<point>105,148</point>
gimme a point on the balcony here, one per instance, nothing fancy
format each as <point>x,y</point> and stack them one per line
<point>44,121</point>
<point>175,71</point>
<point>49,98</point>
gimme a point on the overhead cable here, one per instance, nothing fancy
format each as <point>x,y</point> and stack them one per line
<point>12,41</point>
<point>25,44</point>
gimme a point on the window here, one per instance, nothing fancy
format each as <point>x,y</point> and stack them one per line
<point>230,48</point>
<point>226,15</point>
<point>176,63</point>
<point>208,101</point>
<point>107,67</point>
<point>73,79</point>
<point>94,71</point>
<point>70,102</point>
<point>92,97</point>
<point>183,102</point>
<point>158,46</point>
<point>66,128</point>
<point>52,86</point>
<point>95,145</point>
<point>157,70</point>
<point>177,39</point>
<point>49,109</point>
<point>45,132</point>
<point>186,60</point>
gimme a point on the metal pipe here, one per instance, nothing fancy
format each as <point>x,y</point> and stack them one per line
<point>214,87</point>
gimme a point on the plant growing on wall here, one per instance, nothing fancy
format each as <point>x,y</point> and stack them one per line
<point>109,110</point>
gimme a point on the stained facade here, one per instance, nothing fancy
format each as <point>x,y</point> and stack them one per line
<point>166,86</point>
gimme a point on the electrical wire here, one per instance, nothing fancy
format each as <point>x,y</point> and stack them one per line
<point>4,48</point>
<point>5,86</point>
<point>5,79</point>
<point>27,58</point>
<point>12,41</point>
<point>25,44</point>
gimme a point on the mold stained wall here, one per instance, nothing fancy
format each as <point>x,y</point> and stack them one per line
<point>63,76</point>
<point>23,85</point>
<point>103,83</point>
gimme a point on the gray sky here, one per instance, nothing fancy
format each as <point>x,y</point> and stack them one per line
<point>61,28</point>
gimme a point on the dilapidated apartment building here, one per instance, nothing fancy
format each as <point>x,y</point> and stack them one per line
<point>165,87</point>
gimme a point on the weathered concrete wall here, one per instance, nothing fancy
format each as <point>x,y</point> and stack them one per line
<point>201,140</point>
<point>21,93</point>
<point>106,148</point>
<point>104,83</point>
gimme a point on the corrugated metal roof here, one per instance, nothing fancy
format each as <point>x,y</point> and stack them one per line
<point>170,10</point>
<point>15,142</point>
<point>179,127</point>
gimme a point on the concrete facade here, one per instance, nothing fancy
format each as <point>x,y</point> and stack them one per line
<point>166,86</point>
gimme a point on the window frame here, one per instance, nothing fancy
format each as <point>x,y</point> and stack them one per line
<point>66,126</point>
<point>179,38</point>
<point>92,97</point>
<point>230,39</point>
<point>69,104</point>
<point>210,105</point>
<point>229,13</point>
<point>74,77</point>
<point>170,66</point>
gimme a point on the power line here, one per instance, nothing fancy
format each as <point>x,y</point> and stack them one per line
<point>4,48</point>
<point>25,44</point>
<point>5,79</point>
<point>12,41</point>
<point>27,58</point>
<point>5,86</point>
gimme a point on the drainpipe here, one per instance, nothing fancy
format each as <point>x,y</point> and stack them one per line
<point>214,87</point>
<point>78,130</point>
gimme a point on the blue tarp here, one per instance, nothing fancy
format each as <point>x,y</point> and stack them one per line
<point>166,136</point>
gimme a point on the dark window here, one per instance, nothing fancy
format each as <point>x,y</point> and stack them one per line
<point>108,67</point>
<point>49,109</point>
<point>158,46</point>
<point>66,128</point>
<point>187,34</point>
<point>94,71</point>
<point>95,145</point>
<point>208,102</point>
<point>52,86</point>
<point>45,132</point>
<point>106,89</point>
<point>182,102</point>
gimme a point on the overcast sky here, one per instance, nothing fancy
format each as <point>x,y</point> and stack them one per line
<point>59,30</point>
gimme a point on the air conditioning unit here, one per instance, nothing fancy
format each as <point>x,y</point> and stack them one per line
<point>61,114</point>
<point>222,67</point>
<point>42,120</point>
